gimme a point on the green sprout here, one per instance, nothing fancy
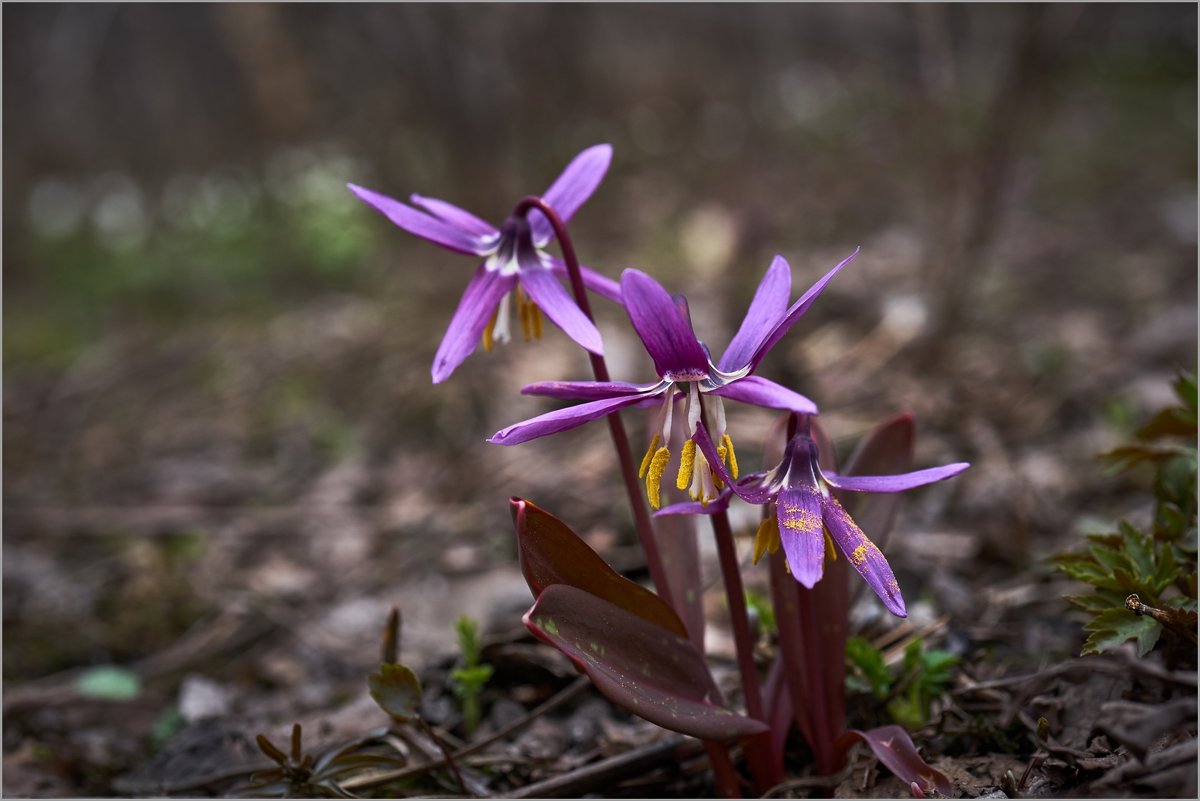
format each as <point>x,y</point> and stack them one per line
<point>468,680</point>
<point>909,688</point>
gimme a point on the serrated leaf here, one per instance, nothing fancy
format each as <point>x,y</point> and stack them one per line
<point>1117,626</point>
<point>397,690</point>
<point>650,670</point>
<point>551,553</point>
<point>1101,601</point>
<point>1091,573</point>
<point>893,746</point>
<point>1109,558</point>
<point>1171,422</point>
<point>1140,549</point>
<point>109,683</point>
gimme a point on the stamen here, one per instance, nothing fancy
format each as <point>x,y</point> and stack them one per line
<point>733,468</point>
<point>649,455</point>
<point>488,343</point>
<point>693,408</point>
<point>830,551</point>
<point>654,476</point>
<point>766,539</point>
<point>500,331</point>
<point>523,311</point>
<point>536,314</point>
<point>686,461</point>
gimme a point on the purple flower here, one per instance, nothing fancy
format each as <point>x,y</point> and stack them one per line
<point>685,370</point>
<point>515,263</point>
<point>809,519</point>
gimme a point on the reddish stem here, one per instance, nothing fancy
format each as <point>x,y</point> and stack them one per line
<point>641,514</point>
<point>723,772</point>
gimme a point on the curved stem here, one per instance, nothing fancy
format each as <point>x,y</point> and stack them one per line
<point>641,513</point>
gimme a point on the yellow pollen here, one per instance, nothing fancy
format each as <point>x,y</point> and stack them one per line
<point>804,521</point>
<point>654,476</point>
<point>733,468</point>
<point>649,455</point>
<point>766,539</point>
<point>859,554</point>
<point>830,551</point>
<point>487,331</point>
<point>687,461</point>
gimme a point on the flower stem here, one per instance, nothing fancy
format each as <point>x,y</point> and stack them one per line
<point>641,513</point>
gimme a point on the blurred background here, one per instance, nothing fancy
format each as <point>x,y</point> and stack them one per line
<point>218,419</point>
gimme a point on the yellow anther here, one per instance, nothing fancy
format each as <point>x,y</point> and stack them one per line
<point>654,476</point>
<point>649,455</point>
<point>766,539</point>
<point>487,331</point>
<point>830,551</point>
<point>687,460</point>
<point>523,311</point>
<point>536,314</point>
<point>728,449</point>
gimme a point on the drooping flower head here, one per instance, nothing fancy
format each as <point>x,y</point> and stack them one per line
<point>515,264</point>
<point>686,371</point>
<point>809,519</point>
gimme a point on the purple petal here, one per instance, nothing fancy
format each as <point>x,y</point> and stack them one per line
<point>668,338</point>
<point>600,284</point>
<point>749,488</point>
<point>587,390</point>
<point>760,392</point>
<point>717,504</point>
<point>551,298</point>
<point>560,420</point>
<point>766,310</point>
<point>864,556</point>
<point>474,312</point>
<point>896,483</point>
<point>571,189</point>
<point>460,218</point>
<point>802,533</point>
<point>797,310</point>
<point>421,224</point>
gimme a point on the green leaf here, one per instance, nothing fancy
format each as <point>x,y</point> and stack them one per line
<point>1139,548</point>
<point>397,690</point>
<point>109,683</point>
<point>1101,601</point>
<point>869,661</point>
<point>1109,558</point>
<point>1091,573</point>
<point>645,668</point>
<point>1119,625</point>
<point>470,680</point>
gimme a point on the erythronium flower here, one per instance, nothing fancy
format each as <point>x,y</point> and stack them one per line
<point>686,370</point>
<point>809,519</point>
<point>515,263</point>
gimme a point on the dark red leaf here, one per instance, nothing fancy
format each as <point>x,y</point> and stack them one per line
<point>551,553</point>
<point>894,748</point>
<point>653,672</point>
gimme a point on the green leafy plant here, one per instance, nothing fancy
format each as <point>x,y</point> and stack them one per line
<point>468,681</point>
<point>1144,582</point>
<point>909,687</point>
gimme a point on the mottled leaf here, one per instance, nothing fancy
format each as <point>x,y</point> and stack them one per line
<point>894,748</point>
<point>397,690</point>
<point>551,553</point>
<point>650,670</point>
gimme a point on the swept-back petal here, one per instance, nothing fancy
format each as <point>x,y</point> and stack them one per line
<point>551,298</point>
<point>600,284</point>
<point>749,488</point>
<point>759,391</point>
<point>864,556</point>
<point>454,215</point>
<point>667,336</point>
<point>766,310</point>
<point>472,316</point>
<point>896,483</point>
<point>560,420</point>
<point>802,533</point>
<point>717,504</point>
<point>796,310</point>
<point>588,390</point>
<point>421,224</point>
<point>572,189</point>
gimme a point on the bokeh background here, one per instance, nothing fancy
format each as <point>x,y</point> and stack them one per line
<point>217,407</point>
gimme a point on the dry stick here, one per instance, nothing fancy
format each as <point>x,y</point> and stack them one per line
<point>446,756</point>
<point>722,766</point>
<point>574,784</point>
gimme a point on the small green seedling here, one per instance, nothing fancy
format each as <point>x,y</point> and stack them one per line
<point>468,680</point>
<point>909,688</point>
